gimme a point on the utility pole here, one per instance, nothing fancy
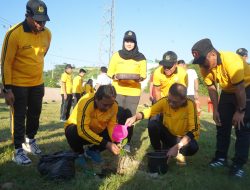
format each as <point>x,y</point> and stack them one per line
<point>112,30</point>
<point>107,42</point>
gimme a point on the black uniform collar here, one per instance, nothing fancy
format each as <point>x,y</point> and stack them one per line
<point>175,72</point>
<point>218,59</point>
<point>26,27</point>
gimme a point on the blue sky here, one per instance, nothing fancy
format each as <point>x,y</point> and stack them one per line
<point>78,27</point>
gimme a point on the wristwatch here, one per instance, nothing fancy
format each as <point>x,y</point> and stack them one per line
<point>180,145</point>
<point>241,110</point>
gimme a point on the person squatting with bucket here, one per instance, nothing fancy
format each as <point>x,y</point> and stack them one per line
<point>179,128</point>
<point>91,123</point>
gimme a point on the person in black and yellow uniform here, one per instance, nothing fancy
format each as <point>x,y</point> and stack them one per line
<point>66,92</point>
<point>24,48</point>
<point>88,87</point>
<point>168,74</point>
<point>92,122</point>
<point>165,76</point>
<point>179,128</point>
<point>77,88</point>
<point>232,73</point>
<point>127,68</point>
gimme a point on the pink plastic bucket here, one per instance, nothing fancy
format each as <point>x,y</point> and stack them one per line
<point>120,132</point>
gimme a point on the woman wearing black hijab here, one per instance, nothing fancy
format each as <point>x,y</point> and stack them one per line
<point>127,68</point>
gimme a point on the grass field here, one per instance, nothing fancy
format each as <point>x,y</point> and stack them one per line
<point>196,175</point>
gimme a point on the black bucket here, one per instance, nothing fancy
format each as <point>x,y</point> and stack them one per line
<point>157,162</point>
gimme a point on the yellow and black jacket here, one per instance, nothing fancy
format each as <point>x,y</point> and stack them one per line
<point>179,122</point>
<point>22,57</point>
<point>90,121</point>
<point>87,88</point>
<point>230,71</point>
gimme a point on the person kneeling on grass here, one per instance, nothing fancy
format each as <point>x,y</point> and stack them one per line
<point>178,128</point>
<point>92,122</point>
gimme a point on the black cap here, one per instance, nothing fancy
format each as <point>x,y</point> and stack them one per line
<point>37,10</point>
<point>67,66</point>
<point>200,50</point>
<point>181,61</point>
<point>169,59</point>
<point>82,71</point>
<point>242,52</point>
<point>129,35</point>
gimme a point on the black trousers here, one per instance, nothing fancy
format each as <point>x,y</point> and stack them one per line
<point>76,142</point>
<point>227,108</point>
<point>162,139</point>
<point>27,107</point>
<point>66,106</point>
<point>127,108</point>
<point>76,98</point>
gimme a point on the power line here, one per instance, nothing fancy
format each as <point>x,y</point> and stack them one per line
<point>5,26</point>
<point>6,21</point>
<point>74,59</point>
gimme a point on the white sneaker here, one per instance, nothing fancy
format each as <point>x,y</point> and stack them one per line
<point>20,157</point>
<point>127,148</point>
<point>31,147</point>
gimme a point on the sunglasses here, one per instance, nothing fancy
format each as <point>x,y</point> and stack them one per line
<point>39,22</point>
<point>167,67</point>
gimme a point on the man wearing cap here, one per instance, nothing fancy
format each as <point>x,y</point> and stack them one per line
<point>243,53</point>
<point>22,59</point>
<point>127,68</point>
<point>66,92</point>
<point>77,88</point>
<point>232,74</point>
<point>168,74</point>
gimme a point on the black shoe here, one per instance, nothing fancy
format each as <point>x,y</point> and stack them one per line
<point>236,171</point>
<point>218,162</point>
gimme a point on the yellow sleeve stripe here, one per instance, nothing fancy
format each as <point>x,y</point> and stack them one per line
<point>195,116</point>
<point>82,122</point>
<point>5,49</point>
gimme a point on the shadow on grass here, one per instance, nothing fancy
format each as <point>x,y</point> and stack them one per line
<point>51,127</point>
<point>29,178</point>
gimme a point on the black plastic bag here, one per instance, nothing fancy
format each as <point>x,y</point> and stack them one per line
<point>60,165</point>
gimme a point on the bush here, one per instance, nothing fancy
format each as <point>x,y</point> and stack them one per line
<point>49,82</point>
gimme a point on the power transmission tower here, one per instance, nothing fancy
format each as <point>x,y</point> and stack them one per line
<point>107,42</point>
